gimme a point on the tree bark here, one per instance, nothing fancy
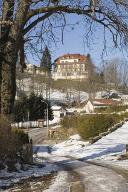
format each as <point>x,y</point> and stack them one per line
<point>8,75</point>
<point>9,51</point>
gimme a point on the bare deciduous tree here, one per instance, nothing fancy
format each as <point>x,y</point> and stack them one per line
<point>116,72</point>
<point>26,23</point>
<point>111,72</point>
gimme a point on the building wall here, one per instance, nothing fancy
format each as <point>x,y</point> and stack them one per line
<point>71,66</point>
<point>89,108</point>
<point>33,69</point>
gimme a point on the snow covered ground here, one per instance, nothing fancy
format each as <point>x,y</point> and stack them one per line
<point>8,178</point>
<point>107,149</point>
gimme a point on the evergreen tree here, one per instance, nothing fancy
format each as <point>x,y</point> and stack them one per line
<point>92,76</point>
<point>46,60</point>
<point>34,106</point>
<point>90,67</point>
<point>20,109</point>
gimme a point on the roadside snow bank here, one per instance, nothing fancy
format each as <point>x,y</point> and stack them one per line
<point>70,146</point>
<point>110,144</point>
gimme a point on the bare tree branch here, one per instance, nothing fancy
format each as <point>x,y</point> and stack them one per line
<point>34,23</point>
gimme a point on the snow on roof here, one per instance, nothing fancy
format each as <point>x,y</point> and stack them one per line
<point>56,108</point>
<point>71,110</point>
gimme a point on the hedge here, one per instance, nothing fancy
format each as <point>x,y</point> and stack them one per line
<point>92,125</point>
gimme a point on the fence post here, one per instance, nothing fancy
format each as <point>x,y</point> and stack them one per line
<point>28,153</point>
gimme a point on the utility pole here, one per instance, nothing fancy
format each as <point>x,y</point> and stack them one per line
<point>47,120</point>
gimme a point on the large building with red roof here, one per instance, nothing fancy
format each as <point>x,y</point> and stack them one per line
<point>71,66</point>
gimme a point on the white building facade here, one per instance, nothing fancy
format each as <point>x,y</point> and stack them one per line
<point>33,69</point>
<point>71,66</point>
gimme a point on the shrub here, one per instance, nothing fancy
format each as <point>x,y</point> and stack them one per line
<point>111,109</point>
<point>21,136</point>
<point>92,125</point>
<point>69,121</point>
<point>11,142</point>
<point>7,141</point>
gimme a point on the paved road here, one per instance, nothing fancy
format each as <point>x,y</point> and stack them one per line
<point>37,134</point>
<point>96,178</point>
<point>92,178</point>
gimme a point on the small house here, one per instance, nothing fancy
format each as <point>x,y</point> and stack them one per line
<point>58,111</point>
<point>91,105</point>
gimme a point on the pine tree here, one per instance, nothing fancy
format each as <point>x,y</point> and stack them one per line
<point>46,60</point>
<point>91,76</point>
<point>34,105</point>
<point>91,68</point>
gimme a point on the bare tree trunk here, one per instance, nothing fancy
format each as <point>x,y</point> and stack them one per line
<point>0,78</point>
<point>8,75</point>
<point>12,37</point>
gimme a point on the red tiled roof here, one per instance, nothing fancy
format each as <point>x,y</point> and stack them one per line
<point>101,102</point>
<point>82,58</point>
<point>106,102</point>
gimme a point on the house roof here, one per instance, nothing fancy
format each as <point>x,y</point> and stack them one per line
<point>57,108</point>
<point>101,102</point>
<point>82,58</point>
<point>104,102</point>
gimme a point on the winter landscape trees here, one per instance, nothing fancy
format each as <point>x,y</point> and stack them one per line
<point>31,108</point>
<point>19,21</point>
<point>46,62</point>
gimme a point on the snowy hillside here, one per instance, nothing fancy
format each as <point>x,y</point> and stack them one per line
<point>26,85</point>
<point>113,143</point>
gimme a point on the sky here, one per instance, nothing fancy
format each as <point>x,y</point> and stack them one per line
<point>74,43</point>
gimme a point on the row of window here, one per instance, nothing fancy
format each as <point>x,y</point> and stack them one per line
<point>71,60</point>
<point>70,70</point>
<point>71,74</point>
<point>71,66</point>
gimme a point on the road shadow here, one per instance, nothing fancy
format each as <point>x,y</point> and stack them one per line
<point>75,163</point>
